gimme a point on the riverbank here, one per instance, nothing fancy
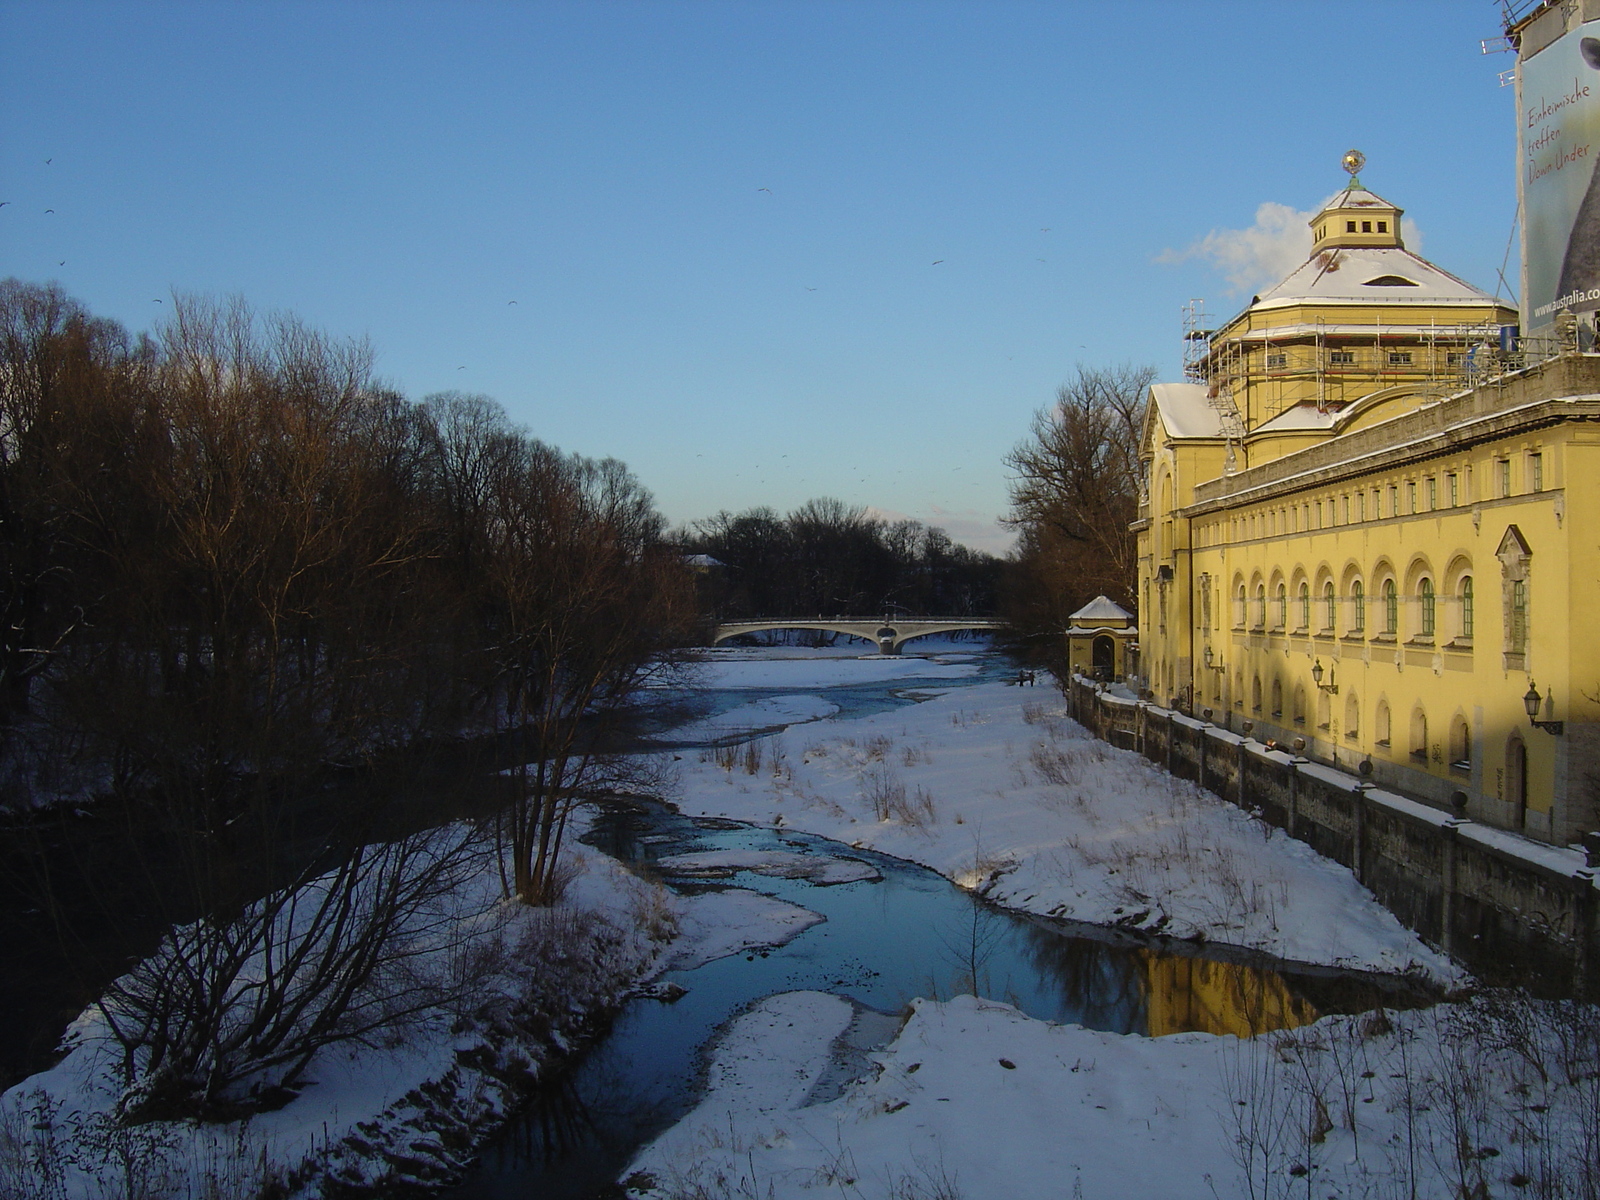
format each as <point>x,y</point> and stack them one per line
<point>993,786</point>
<point>404,1113</point>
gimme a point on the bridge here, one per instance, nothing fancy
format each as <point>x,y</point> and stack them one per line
<point>889,633</point>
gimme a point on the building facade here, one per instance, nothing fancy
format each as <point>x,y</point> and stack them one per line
<point>1371,531</point>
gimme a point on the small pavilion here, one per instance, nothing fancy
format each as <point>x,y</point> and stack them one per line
<point>1099,639</point>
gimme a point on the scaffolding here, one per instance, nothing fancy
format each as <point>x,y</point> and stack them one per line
<point>1197,333</point>
<point>1331,366</point>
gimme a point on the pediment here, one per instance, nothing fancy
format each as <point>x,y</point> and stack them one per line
<point>1513,552</point>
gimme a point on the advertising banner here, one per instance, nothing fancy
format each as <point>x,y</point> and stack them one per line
<point>1558,147</point>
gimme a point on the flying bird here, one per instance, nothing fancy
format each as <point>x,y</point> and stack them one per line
<point>3,203</point>
<point>155,302</point>
<point>62,263</point>
<point>810,289</point>
<point>1044,231</point>
<point>48,161</point>
<point>49,210</point>
<point>937,261</point>
<point>768,191</point>
<point>510,301</point>
<point>461,368</point>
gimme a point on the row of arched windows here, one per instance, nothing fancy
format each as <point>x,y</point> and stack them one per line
<point>1269,701</point>
<point>1414,609</point>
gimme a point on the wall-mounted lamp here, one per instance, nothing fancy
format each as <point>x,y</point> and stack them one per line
<point>1211,664</point>
<point>1531,702</point>
<point>1317,673</point>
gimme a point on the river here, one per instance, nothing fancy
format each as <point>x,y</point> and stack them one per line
<point>909,933</point>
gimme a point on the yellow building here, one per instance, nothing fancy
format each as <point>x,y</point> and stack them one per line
<point>1370,526</point>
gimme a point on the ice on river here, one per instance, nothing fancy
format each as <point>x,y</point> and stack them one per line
<point>770,712</point>
<point>760,669</point>
<point>972,1098</point>
<point>713,925</point>
<point>994,787</point>
<point>821,869</point>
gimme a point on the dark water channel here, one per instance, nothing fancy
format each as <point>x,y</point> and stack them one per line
<point>911,933</point>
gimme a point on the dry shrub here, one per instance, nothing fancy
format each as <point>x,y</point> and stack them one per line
<point>1054,765</point>
<point>884,790</point>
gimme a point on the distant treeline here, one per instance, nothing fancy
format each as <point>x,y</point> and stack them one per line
<point>827,558</point>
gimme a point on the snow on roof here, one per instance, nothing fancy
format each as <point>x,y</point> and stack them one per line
<point>1101,608</point>
<point>1186,410</point>
<point>1355,197</point>
<point>703,560</point>
<point>1298,419</point>
<point>1366,274</point>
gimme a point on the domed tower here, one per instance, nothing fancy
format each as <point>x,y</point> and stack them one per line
<point>1363,320</point>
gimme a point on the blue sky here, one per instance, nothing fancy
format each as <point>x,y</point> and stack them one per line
<point>719,222</point>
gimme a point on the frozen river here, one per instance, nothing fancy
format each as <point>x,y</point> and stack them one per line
<point>882,941</point>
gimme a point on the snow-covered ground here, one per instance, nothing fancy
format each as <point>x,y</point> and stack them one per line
<point>975,1100</point>
<point>992,786</point>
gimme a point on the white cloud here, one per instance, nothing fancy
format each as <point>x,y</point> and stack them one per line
<point>1255,258</point>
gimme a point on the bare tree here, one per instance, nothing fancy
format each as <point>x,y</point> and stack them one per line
<point>1074,495</point>
<point>586,599</point>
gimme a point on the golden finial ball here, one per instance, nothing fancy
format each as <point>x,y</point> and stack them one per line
<point>1353,161</point>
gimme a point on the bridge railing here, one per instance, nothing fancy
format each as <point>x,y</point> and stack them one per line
<point>879,618</point>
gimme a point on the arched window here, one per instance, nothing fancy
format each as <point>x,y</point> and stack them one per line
<point>1261,606</point>
<point>1380,724</point>
<point>1305,605</point>
<point>1419,735</point>
<point>1255,694</point>
<point>1460,745</point>
<point>1519,616</point>
<point>1330,602</point>
<point>1239,605</point>
<point>1352,717</point>
<point>1391,608</point>
<point>1283,606</point>
<point>1517,780</point>
<point>1277,697</point>
<point>1299,704</point>
<point>1425,600</point>
<point>1358,608</point>
<point>1466,608</point>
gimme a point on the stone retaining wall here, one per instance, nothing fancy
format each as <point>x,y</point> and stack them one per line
<point>1514,911</point>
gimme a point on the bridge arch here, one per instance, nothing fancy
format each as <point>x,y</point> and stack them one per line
<point>888,635</point>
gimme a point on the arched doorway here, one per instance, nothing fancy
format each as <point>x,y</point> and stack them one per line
<point>1104,657</point>
<point>1517,781</point>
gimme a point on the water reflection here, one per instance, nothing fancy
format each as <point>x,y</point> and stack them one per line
<point>910,934</point>
<point>1183,994</point>
<point>1103,985</point>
